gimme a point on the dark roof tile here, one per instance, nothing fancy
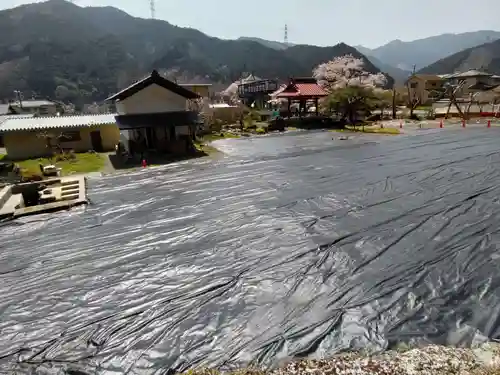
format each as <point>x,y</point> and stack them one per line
<point>154,78</point>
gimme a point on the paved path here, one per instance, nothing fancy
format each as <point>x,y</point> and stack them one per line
<point>108,166</point>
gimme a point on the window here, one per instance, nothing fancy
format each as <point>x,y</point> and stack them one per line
<point>43,110</point>
<point>413,85</point>
<point>70,136</point>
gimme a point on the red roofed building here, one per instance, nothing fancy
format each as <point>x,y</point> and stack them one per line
<point>302,90</point>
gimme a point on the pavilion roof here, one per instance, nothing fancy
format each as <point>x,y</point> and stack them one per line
<point>302,88</point>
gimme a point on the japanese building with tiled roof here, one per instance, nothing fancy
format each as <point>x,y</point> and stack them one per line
<point>155,114</point>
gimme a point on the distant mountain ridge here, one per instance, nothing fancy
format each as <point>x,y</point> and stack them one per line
<point>399,75</point>
<point>268,43</point>
<point>58,49</point>
<point>423,52</point>
<point>485,57</point>
<point>398,58</point>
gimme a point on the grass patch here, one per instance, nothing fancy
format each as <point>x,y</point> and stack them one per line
<point>201,143</point>
<point>215,136</point>
<point>82,163</point>
<point>372,129</point>
<point>379,130</point>
<point>207,149</point>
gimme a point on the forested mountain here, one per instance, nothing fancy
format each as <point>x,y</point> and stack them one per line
<point>423,52</point>
<point>399,75</point>
<point>485,57</point>
<point>58,49</point>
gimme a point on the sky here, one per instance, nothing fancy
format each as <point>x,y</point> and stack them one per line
<point>320,22</point>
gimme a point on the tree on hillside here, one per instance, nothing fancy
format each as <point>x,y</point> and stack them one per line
<point>352,89</point>
<point>349,101</point>
<point>413,101</point>
<point>53,141</point>
<point>62,92</point>
<point>344,71</point>
<point>494,100</point>
<point>385,99</point>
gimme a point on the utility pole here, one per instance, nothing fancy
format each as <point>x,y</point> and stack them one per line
<point>394,112</point>
<point>412,101</point>
<point>19,97</point>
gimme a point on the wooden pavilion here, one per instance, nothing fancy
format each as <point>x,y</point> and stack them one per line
<point>302,90</point>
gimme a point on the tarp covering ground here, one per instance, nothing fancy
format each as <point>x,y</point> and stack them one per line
<point>290,246</point>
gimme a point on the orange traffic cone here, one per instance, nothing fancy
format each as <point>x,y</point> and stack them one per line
<point>441,124</point>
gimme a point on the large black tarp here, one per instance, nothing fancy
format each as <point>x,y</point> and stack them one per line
<point>291,246</point>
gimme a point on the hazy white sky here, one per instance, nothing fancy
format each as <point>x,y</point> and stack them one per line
<point>323,22</point>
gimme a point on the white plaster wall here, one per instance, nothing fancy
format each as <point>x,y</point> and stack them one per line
<point>182,130</point>
<point>125,134</point>
<point>153,99</point>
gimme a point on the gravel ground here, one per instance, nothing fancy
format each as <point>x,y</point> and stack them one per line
<point>452,123</point>
<point>432,360</point>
